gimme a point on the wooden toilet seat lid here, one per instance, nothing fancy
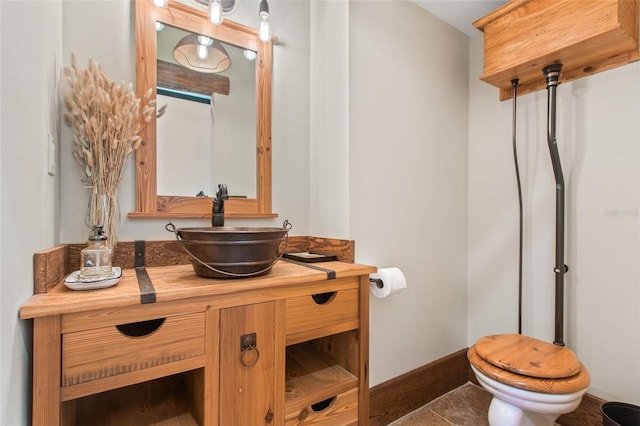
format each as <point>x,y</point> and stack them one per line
<point>528,356</point>
<point>576,383</point>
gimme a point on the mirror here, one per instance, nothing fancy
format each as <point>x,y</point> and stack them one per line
<point>211,110</point>
<point>151,165</point>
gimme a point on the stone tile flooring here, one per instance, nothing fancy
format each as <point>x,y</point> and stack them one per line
<point>465,406</point>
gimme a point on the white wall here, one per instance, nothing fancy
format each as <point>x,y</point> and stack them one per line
<point>598,136</point>
<point>408,91</point>
<point>329,114</point>
<point>291,104</point>
<point>184,155</point>
<point>28,195</point>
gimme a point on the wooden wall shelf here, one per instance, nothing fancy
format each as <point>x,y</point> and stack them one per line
<point>586,36</point>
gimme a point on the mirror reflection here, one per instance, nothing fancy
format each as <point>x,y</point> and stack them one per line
<point>207,134</point>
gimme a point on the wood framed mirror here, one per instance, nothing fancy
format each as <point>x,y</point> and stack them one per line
<point>149,203</point>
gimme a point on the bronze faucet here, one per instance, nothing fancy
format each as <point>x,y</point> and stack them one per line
<point>217,211</point>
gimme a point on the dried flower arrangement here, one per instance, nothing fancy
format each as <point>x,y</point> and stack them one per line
<point>106,118</point>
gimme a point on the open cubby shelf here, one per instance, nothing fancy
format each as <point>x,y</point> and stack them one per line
<point>312,377</point>
<point>165,401</point>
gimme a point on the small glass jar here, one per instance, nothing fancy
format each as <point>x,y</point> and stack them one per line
<point>95,259</point>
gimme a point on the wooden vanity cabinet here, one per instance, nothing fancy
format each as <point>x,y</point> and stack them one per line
<point>288,348</point>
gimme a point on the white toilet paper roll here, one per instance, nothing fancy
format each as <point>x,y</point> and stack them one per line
<point>393,281</point>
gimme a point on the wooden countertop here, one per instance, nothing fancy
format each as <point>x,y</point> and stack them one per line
<point>178,282</point>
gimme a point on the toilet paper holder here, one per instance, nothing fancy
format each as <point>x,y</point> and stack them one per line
<point>387,282</point>
<point>378,282</point>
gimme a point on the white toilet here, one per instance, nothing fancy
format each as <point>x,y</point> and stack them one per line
<point>532,382</point>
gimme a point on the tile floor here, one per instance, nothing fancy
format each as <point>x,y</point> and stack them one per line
<point>465,406</point>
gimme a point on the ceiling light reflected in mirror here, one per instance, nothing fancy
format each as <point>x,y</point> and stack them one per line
<point>202,54</point>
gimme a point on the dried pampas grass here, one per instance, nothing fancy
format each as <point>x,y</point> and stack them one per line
<point>106,118</point>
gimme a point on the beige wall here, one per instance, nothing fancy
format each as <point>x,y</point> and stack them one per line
<point>329,121</point>
<point>30,57</point>
<point>598,133</point>
<point>408,91</point>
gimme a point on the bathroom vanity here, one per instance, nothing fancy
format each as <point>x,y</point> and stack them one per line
<point>166,346</point>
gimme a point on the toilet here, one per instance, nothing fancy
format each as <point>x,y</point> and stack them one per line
<point>532,382</point>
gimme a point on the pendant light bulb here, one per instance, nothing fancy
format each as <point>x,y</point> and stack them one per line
<point>215,12</point>
<point>202,52</point>
<point>205,41</point>
<point>264,33</point>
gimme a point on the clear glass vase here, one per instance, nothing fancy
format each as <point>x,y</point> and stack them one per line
<point>103,211</point>
<point>98,210</point>
<point>95,259</point>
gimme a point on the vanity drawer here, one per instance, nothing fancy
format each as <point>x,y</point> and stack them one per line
<point>332,309</point>
<point>110,351</point>
<point>341,410</point>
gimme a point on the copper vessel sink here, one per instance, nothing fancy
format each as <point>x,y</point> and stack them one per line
<point>233,252</point>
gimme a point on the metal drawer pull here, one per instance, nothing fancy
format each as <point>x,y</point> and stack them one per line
<point>249,356</point>
<point>249,353</point>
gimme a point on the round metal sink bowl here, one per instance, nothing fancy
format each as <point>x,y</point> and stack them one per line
<point>233,252</point>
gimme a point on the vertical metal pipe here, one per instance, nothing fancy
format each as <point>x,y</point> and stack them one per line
<point>514,92</point>
<point>552,75</point>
